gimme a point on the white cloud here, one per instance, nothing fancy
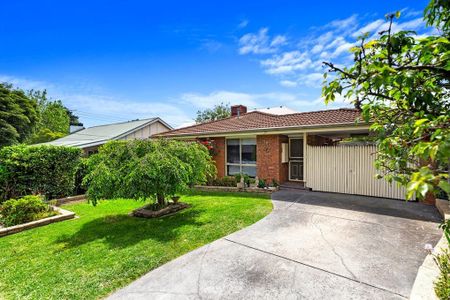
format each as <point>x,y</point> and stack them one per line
<point>95,108</point>
<point>345,25</point>
<point>341,49</point>
<point>324,55</point>
<point>410,25</point>
<point>317,48</point>
<point>260,42</point>
<point>411,13</point>
<point>251,100</point>
<point>278,41</point>
<point>298,63</point>
<point>286,63</point>
<point>325,38</point>
<point>209,100</point>
<point>312,80</point>
<point>371,27</point>
<point>24,83</point>
<point>288,83</point>
<point>243,24</point>
<point>338,41</point>
<point>211,45</point>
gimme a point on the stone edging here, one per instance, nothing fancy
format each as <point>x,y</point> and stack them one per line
<point>62,201</point>
<point>423,288</point>
<point>208,188</point>
<point>443,207</point>
<point>62,216</point>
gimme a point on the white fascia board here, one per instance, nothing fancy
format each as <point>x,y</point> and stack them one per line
<point>281,130</point>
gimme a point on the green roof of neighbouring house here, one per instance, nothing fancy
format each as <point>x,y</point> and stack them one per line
<point>98,135</point>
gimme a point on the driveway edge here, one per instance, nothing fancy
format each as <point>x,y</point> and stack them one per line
<point>423,288</point>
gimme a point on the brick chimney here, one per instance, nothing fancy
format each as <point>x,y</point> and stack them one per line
<point>237,110</point>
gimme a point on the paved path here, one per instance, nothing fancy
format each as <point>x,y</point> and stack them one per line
<point>312,246</point>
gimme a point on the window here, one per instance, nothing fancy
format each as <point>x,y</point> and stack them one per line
<point>241,157</point>
<point>296,148</point>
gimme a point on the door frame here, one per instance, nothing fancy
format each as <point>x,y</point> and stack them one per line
<point>297,159</point>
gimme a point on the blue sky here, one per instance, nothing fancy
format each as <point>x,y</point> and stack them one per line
<point>119,60</point>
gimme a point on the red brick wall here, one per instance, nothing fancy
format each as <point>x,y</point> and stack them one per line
<point>219,158</point>
<point>268,158</point>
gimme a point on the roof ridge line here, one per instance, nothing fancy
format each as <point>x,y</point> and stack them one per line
<point>214,121</point>
<point>122,122</point>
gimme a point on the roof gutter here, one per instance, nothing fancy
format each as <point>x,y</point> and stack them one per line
<point>268,130</point>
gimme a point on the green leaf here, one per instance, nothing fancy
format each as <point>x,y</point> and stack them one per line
<point>420,122</point>
<point>445,186</point>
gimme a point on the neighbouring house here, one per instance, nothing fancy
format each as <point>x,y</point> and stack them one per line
<point>91,138</point>
<point>277,110</point>
<point>322,150</point>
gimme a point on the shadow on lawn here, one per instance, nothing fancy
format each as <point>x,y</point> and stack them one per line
<point>121,231</point>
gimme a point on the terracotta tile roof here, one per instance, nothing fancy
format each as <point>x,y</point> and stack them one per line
<point>255,120</point>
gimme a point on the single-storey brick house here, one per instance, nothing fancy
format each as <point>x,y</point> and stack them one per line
<point>301,147</point>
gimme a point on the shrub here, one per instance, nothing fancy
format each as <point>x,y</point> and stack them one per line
<point>442,284</point>
<point>261,184</point>
<point>275,183</point>
<point>247,179</point>
<point>44,169</point>
<point>224,181</point>
<point>146,169</point>
<point>23,210</point>
<point>80,172</point>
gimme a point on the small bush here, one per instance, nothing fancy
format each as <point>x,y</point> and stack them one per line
<point>224,181</point>
<point>261,184</point>
<point>26,209</point>
<point>247,179</point>
<point>442,284</point>
<point>44,169</point>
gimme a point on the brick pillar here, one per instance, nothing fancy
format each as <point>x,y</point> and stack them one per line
<point>268,158</point>
<point>219,158</point>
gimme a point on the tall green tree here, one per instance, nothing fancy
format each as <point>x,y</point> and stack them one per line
<point>402,84</point>
<point>18,114</point>
<point>74,120</point>
<point>220,111</point>
<point>54,120</point>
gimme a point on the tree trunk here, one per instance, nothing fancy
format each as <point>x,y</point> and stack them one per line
<point>161,199</point>
<point>429,199</point>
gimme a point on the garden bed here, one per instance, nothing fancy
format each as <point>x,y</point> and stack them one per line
<point>232,189</point>
<point>170,209</point>
<point>62,215</point>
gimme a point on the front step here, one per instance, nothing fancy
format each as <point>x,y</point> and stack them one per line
<point>294,185</point>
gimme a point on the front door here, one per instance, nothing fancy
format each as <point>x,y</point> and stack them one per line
<point>296,159</point>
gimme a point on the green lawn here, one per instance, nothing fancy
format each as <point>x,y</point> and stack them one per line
<point>105,249</point>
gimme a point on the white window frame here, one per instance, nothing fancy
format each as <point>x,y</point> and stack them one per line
<point>240,156</point>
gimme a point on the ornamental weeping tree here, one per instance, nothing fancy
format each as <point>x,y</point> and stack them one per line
<point>143,169</point>
<point>401,83</point>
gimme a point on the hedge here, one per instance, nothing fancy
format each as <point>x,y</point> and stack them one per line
<point>43,169</point>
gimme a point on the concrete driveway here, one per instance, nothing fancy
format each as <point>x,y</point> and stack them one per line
<point>312,246</point>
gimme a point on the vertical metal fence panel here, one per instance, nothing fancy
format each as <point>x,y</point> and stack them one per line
<point>347,169</point>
